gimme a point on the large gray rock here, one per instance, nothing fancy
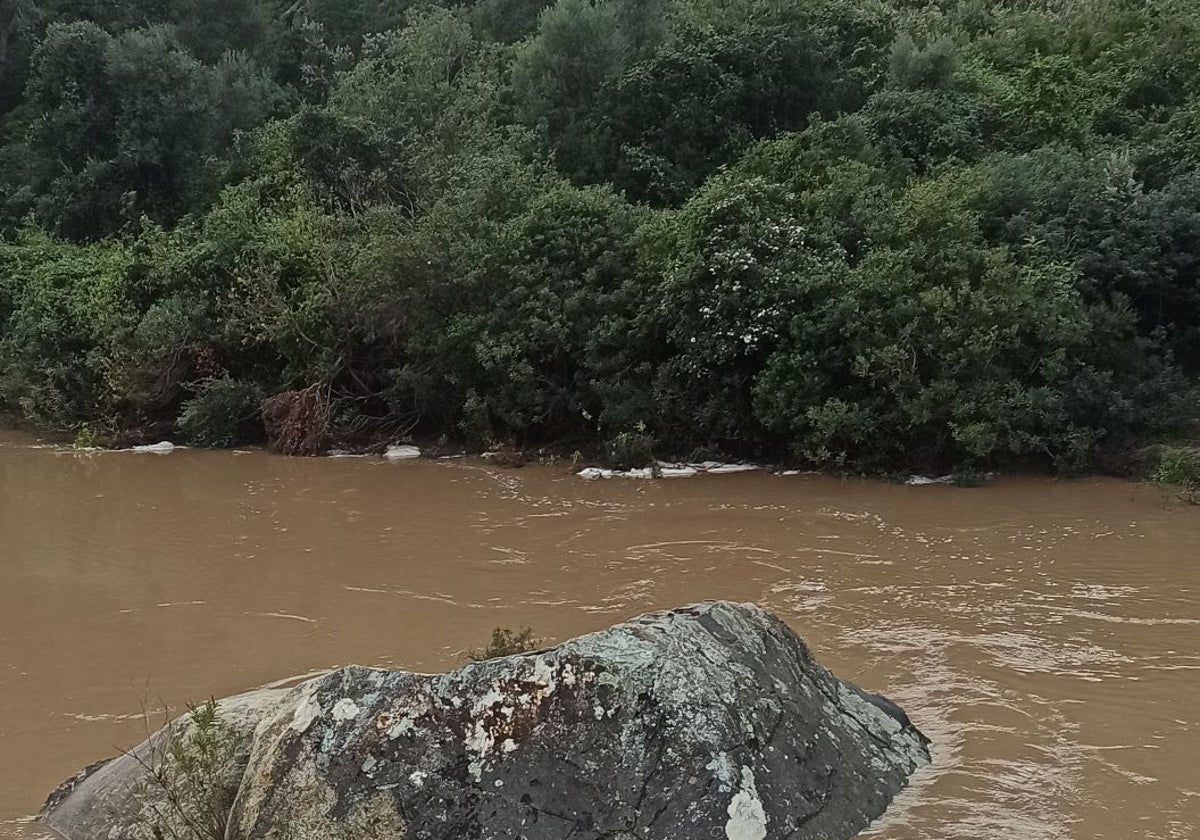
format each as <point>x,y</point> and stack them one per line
<point>707,722</point>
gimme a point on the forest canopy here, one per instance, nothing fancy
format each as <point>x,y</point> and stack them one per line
<point>860,234</point>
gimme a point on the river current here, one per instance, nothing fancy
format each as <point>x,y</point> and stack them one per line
<point>1045,634</point>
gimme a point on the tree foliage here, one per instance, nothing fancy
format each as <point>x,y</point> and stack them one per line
<point>855,233</point>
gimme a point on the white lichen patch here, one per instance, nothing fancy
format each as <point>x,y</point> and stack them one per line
<point>747,819</point>
<point>307,711</point>
<point>403,726</point>
<point>722,769</point>
<point>543,674</point>
<point>487,701</point>
<point>344,710</point>
<point>479,739</point>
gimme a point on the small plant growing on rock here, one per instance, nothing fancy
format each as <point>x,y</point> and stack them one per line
<point>506,642</point>
<point>191,779</point>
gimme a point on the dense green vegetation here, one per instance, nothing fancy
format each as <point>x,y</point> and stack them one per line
<point>1179,469</point>
<point>868,234</point>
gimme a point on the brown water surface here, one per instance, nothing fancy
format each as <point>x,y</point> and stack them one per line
<point>1045,634</point>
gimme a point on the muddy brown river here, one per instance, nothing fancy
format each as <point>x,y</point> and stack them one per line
<point>1044,634</point>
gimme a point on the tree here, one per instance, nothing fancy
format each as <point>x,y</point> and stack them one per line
<point>726,270</point>
<point>869,233</point>
<point>349,21</point>
<point>676,117</point>
<point>428,96</point>
<point>938,349</point>
<point>509,21</point>
<point>211,28</point>
<point>533,354</point>
<point>1141,244</point>
<point>124,126</point>
<point>925,128</point>
<point>558,76</point>
<point>16,24</point>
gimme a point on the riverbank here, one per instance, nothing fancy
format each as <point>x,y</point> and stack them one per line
<point>1173,465</point>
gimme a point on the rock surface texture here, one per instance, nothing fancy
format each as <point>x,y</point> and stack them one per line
<point>712,721</point>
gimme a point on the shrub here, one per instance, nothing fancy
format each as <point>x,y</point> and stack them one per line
<point>224,412</point>
<point>65,302</point>
<point>1179,467</point>
<point>536,349</point>
<point>192,777</point>
<point>725,272</point>
<point>86,438</point>
<point>937,349</point>
<point>506,642</point>
<point>629,450</point>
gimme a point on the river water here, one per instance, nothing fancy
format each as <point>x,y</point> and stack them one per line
<point>1044,634</point>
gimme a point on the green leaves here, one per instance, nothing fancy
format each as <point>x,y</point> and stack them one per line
<point>124,126</point>
<point>223,412</point>
<point>939,349</point>
<point>676,117</point>
<point>882,234</point>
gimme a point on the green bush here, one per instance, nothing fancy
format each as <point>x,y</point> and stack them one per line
<point>86,438</point>
<point>506,642</point>
<point>1179,466</point>
<point>723,278</point>
<point>223,412</point>
<point>191,779</point>
<point>629,450</point>
<point>938,350</point>
<point>66,301</point>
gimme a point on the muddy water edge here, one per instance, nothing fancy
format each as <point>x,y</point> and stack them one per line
<point>1045,634</point>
